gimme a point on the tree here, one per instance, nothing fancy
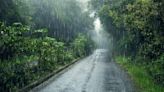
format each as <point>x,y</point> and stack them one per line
<point>9,12</point>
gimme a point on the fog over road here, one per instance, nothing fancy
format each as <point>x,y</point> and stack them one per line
<point>96,73</point>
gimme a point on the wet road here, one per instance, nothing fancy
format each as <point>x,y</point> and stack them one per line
<point>96,73</point>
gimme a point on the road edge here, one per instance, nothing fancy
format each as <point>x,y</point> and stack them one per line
<point>130,77</point>
<point>44,79</point>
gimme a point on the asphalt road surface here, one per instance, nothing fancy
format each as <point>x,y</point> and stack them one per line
<point>96,73</point>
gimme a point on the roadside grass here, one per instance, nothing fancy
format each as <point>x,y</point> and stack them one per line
<point>139,75</point>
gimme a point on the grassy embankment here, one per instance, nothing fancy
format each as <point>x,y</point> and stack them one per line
<point>139,75</point>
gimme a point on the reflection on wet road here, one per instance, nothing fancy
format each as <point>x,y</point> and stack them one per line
<point>96,73</point>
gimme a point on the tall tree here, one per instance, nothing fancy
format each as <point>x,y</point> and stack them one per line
<point>8,12</point>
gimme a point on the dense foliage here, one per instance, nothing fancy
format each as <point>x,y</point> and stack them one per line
<point>26,58</point>
<point>138,30</point>
<point>55,35</point>
<point>8,12</point>
<point>63,18</point>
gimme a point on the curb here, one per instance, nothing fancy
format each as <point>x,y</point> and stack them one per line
<point>40,81</point>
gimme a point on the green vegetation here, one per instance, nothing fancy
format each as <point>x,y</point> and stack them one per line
<point>38,37</point>
<point>63,19</point>
<point>142,79</point>
<point>8,12</point>
<point>27,58</point>
<point>137,27</point>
